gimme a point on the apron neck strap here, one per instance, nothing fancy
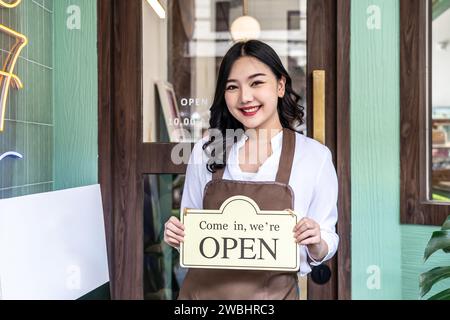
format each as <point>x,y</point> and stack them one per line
<point>218,174</point>
<point>286,158</point>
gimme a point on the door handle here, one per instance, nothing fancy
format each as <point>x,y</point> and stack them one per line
<point>319,105</point>
<point>321,274</point>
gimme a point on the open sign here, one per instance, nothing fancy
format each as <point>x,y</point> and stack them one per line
<point>239,236</point>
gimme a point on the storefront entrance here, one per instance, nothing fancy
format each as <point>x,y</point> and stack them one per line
<point>143,56</point>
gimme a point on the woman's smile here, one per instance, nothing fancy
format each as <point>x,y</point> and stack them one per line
<point>250,111</point>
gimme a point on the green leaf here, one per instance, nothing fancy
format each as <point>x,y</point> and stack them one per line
<point>446,225</point>
<point>443,295</point>
<point>429,278</point>
<point>439,240</point>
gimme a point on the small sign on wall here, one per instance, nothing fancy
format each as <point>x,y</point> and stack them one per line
<point>239,236</point>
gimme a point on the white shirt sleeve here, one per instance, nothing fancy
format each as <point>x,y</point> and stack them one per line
<point>193,185</point>
<point>323,207</point>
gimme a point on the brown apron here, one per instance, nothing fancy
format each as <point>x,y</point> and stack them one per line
<point>220,284</point>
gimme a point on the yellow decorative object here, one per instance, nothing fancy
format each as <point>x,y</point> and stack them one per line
<point>7,76</point>
<point>9,5</point>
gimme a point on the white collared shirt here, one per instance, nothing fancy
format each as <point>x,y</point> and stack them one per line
<point>313,180</point>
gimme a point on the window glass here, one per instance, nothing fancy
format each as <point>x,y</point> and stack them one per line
<point>440,100</point>
<point>48,124</point>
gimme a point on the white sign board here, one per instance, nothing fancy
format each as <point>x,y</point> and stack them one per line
<point>52,245</point>
<point>239,236</point>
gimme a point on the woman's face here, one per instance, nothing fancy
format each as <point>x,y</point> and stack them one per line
<point>252,92</point>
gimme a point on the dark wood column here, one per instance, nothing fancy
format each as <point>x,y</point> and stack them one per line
<point>120,127</point>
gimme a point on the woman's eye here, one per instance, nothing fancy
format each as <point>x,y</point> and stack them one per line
<point>231,87</point>
<point>256,83</point>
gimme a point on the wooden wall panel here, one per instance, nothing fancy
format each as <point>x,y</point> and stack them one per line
<point>321,35</point>
<point>343,149</point>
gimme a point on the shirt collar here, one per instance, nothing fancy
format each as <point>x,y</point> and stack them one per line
<point>276,140</point>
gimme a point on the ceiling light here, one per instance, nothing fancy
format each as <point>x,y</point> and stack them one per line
<point>245,27</point>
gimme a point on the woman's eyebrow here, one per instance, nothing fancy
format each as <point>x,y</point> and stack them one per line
<point>250,77</point>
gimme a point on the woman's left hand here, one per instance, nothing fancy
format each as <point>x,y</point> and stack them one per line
<point>307,232</point>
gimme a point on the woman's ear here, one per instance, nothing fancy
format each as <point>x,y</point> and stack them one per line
<point>281,87</point>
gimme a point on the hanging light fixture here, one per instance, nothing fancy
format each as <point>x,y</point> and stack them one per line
<point>158,8</point>
<point>245,27</point>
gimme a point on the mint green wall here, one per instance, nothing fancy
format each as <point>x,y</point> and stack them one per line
<point>75,96</point>
<point>376,237</point>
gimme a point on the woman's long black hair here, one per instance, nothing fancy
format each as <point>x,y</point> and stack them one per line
<point>290,112</point>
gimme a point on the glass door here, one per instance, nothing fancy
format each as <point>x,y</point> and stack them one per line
<point>183,43</point>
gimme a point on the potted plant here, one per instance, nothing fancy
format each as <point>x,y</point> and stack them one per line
<point>439,240</point>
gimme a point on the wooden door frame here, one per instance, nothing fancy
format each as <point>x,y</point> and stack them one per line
<point>122,154</point>
<point>334,36</point>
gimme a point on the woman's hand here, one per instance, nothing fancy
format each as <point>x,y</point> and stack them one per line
<point>173,232</point>
<point>307,232</point>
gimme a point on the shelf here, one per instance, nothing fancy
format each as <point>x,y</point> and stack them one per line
<point>441,121</point>
<point>441,146</point>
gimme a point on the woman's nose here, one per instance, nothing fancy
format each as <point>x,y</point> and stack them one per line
<point>246,95</point>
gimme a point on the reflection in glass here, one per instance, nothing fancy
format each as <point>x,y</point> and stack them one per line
<point>162,199</point>
<point>183,52</point>
<point>440,100</point>
<point>186,49</point>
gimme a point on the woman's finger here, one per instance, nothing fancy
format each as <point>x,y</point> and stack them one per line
<point>300,224</point>
<point>173,243</point>
<point>305,223</point>
<point>172,234</point>
<point>175,229</point>
<point>176,222</point>
<point>305,235</point>
<point>170,241</point>
<point>313,240</point>
<point>304,227</point>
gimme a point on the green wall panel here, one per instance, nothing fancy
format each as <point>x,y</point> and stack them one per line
<point>29,126</point>
<point>376,239</point>
<point>75,95</point>
<point>52,121</point>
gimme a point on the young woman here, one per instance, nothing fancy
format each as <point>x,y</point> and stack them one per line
<point>254,101</point>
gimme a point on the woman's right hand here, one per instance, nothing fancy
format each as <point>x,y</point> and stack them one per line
<point>173,232</point>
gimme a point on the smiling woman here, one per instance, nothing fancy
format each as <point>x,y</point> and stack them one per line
<point>252,77</point>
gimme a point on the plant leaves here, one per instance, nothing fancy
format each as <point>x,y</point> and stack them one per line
<point>439,240</point>
<point>429,278</point>
<point>446,225</point>
<point>443,295</point>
